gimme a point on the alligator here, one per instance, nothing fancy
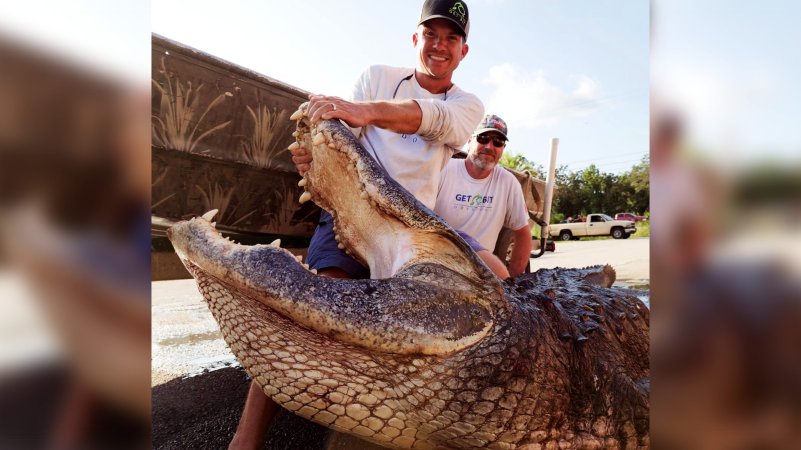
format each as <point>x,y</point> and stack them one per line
<point>433,351</point>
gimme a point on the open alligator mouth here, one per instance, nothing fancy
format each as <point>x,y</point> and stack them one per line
<point>434,351</point>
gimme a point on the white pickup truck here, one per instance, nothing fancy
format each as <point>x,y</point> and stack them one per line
<point>593,225</point>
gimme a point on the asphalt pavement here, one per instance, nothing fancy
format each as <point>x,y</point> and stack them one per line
<point>629,257</point>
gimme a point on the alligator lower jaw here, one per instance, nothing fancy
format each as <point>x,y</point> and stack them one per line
<point>424,309</point>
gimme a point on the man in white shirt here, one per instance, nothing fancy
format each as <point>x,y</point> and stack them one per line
<point>411,120</point>
<point>479,197</point>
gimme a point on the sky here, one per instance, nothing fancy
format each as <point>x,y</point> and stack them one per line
<point>732,71</point>
<point>111,38</point>
<point>572,70</point>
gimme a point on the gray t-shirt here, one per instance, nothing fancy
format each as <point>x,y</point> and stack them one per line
<point>482,207</point>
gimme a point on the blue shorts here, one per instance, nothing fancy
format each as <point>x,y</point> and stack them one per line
<point>324,253</point>
<point>470,241</point>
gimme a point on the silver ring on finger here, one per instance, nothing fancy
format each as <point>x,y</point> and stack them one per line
<point>333,106</point>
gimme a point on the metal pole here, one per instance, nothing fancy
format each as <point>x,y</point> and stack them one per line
<point>546,208</point>
<point>546,217</point>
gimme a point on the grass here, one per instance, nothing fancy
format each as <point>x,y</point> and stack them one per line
<point>643,229</point>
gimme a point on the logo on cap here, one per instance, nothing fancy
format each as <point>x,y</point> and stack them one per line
<point>491,122</point>
<point>458,11</point>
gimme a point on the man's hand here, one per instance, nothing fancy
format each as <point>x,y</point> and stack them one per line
<point>521,253</point>
<point>322,107</point>
<point>302,158</point>
<point>400,116</point>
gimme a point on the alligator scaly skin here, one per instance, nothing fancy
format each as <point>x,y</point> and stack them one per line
<point>440,354</point>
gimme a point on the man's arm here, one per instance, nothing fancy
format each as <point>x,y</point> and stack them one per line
<point>450,122</point>
<point>521,252</point>
<point>400,116</point>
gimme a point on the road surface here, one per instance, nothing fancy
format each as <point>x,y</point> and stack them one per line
<point>629,257</point>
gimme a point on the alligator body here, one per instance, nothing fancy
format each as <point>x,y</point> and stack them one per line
<point>434,351</point>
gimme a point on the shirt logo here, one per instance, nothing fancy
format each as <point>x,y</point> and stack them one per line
<point>474,199</point>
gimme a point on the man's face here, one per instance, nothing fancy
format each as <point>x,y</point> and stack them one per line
<point>486,155</point>
<point>440,48</point>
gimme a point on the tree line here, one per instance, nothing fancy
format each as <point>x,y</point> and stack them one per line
<point>591,191</point>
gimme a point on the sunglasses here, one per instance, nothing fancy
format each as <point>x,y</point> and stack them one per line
<point>483,139</point>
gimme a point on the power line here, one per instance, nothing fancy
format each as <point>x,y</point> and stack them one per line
<point>605,157</point>
<point>614,163</point>
<point>631,162</point>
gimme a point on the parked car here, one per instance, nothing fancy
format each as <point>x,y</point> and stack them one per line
<point>594,225</point>
<point>629,216</point>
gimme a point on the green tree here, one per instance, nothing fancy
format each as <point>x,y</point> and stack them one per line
<point>640,181</point>
<point>592,191</point>
<point>520,163</point>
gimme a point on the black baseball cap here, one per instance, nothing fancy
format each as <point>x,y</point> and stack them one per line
<point>453,10</point>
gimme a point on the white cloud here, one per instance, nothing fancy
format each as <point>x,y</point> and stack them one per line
<point>731,112</point>
<point>531,100</point>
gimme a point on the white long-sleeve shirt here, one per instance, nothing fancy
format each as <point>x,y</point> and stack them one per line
<point>416,160</point>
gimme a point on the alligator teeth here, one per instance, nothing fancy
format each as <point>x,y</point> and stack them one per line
<point>314,271</point>
<point>336,236</point>
<point>305,197</point>
<point>318,139</point>
<point>295,133</point>
<point>302,182</point>
<point>341,246</point>
<point>305,266</point>
<point>276,243</point>
<point>364,195</point>
<point>298,258</point>
<point>332,145</point>
<point>297,115</point>
<point>293,146</point>
<point>210,215</point>
<point>214,224</point>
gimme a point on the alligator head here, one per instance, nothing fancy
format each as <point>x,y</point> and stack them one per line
<point>434,351</point>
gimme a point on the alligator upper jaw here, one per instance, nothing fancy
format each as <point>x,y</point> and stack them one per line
<point>376,220</point>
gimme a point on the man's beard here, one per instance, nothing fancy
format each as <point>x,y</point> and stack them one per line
<point>480,163</point>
